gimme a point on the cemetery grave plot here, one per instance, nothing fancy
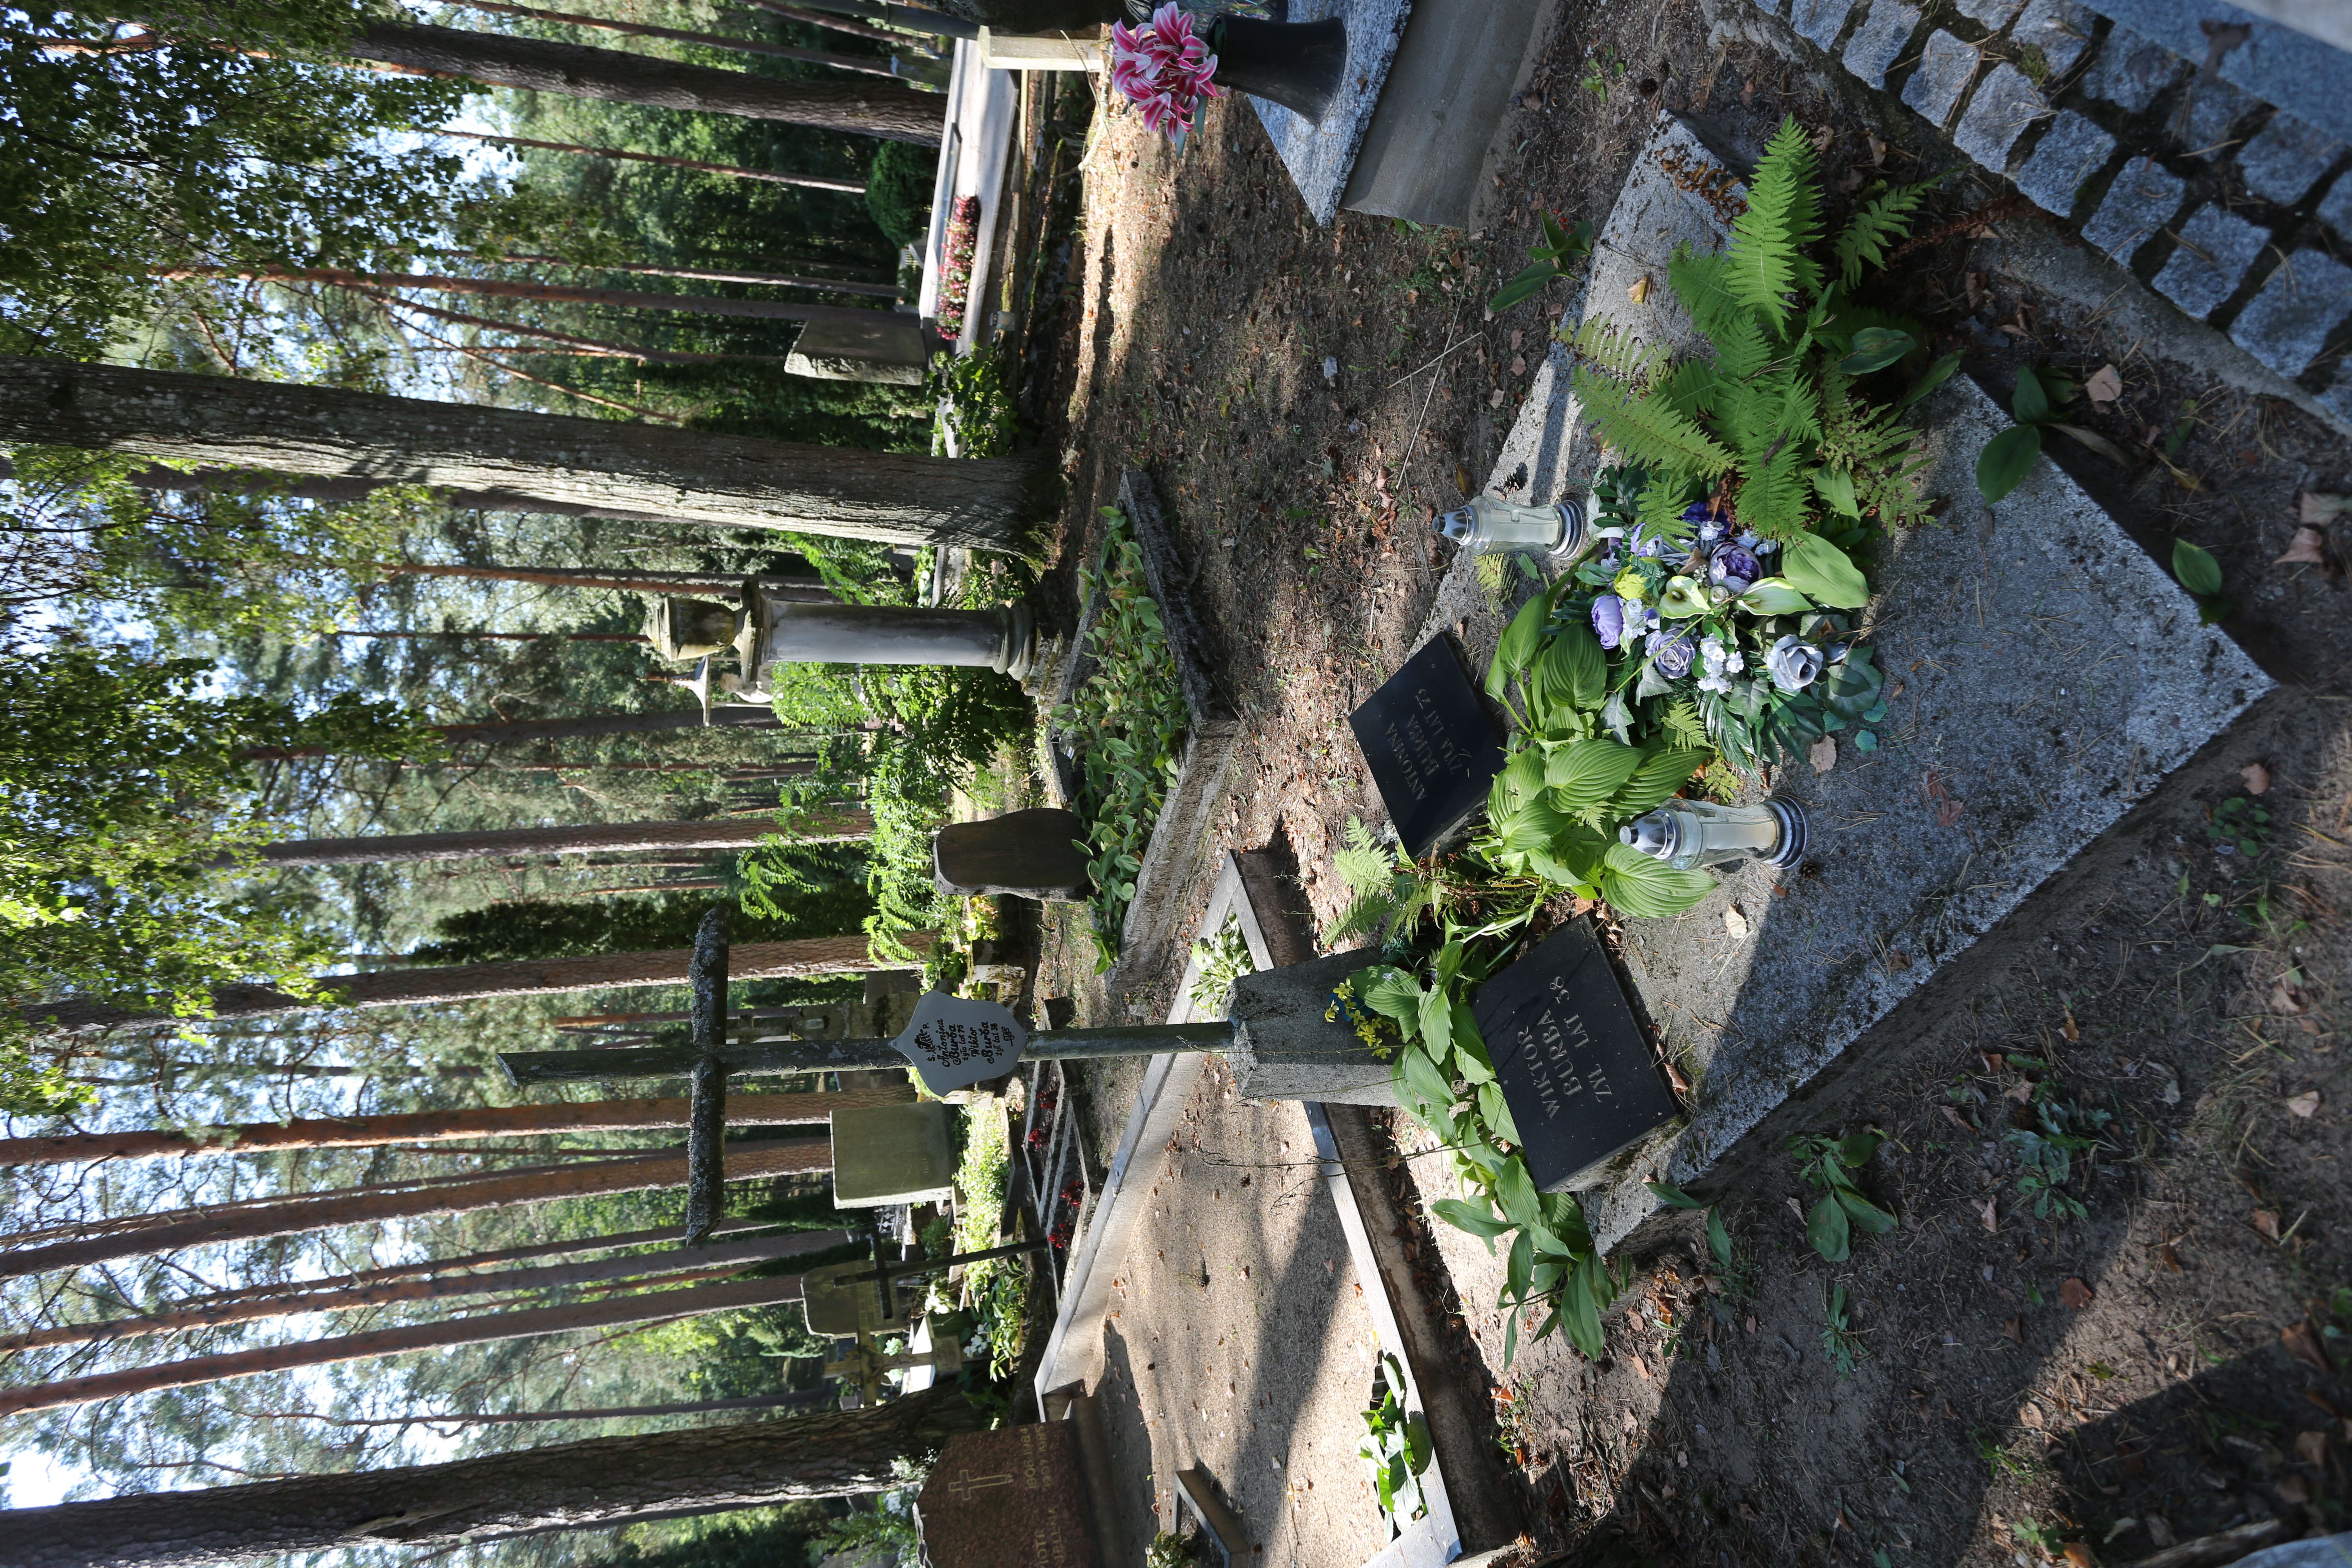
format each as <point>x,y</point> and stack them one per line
<point>1306,637</point>
<point>1238,1340</point>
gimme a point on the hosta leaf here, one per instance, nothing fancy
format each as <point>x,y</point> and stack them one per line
<point>1476,1218</point>
<point>1823,573</point>
<point>1864,1214</point>
<point>1583,773</point>
<point>1773,596</point>
<point>1572,671</point>
<point>1517,645</point>
<point>1497,1112</point>
<point>2194,565</point>
<point>1636,885</point>
<point>1651,785</point>
<point>1515,1192</point>
<point>2006,459</point>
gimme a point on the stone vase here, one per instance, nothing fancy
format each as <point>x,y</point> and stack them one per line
<point>1299,64</point>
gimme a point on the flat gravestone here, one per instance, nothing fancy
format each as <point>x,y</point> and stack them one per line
<point>1575,1068</point>
<point>885,1155</point>
<point>1014,1498</point>
<point>1431,747</point>
<point>2044,675</point>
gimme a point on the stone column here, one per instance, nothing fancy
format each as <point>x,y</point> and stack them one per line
<point>768,631</point>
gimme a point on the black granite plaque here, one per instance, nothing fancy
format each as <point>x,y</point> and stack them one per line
<point>1431,748</point>
<point>1575,1068</point>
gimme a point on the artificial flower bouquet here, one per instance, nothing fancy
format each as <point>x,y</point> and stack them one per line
<point>1164,67</point>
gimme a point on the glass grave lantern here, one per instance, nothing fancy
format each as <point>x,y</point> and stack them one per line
<point>1489,526</point>
<point>1689,833</point>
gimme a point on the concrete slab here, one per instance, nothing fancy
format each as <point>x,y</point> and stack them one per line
<point>1320,158</point>
<point>2043,674</point>
<point>1428,139</point>
<point>974,152</point>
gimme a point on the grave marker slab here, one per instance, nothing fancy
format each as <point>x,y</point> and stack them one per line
<point>1431,747</point>
<point>957,1041</point>
<point>1575,1068</point>
<point>891,1154</point>
<point>1014,1498</point>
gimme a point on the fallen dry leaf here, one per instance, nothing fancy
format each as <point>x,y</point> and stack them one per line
<point>2320,509</point>
<point>2304,1345</point>
<point>2266,1223</point>
<point>2293,1489</point>
<point>2072,1030</point>
<point>2105,385</point>
<point>2257,777</point>
<point>2285,998</point>
<point>1641,1366</point>
<point>1991,1219</point>
<point>1674,1077</point>
<point>1957,1119</point>
<point>2309,549</point>
<point>2170,1259</point>
<point>2306,1105</point>
<point>2075,1294</point>
<point>1824,756</point>
<point>2313,1448</point>
<point>1640,291</point>
<point>2078,1555</point>
<point>2015,1330</point>
<point>2030,1414</point>
<point>1734,922</point>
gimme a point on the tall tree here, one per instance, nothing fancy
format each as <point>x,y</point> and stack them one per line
<point>725,482</point>
<point>863,65</point>
<point>437,984</point>
<point>560,294</point>
<point>714,275</point>
<point>728,1256</point>
<point>579,838</point>
<point>174,1230</point>
<point>600,1481</point>
<point>433,1127</point>
<point>812,181</point>
<point>866,108</point>
<point>480,1328</point>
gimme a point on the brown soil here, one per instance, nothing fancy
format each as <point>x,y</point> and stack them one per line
<point>2159,1368</point>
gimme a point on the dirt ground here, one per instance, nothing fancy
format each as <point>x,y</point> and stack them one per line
<point>2158,1369</point>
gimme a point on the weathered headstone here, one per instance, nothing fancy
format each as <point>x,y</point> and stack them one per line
<point>1574,1068</point>
<point>957,1041</point>
<point>1014,1498</point>
<point>1031,854</point>
<point>842,1302</point>
<point>1431,747</point>
<point>891,1154</point>
<point>892,347</point>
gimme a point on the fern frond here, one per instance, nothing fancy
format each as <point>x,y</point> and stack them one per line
<point>1617,352</point>
<point>1363,862</point>
<point>1660,510</point>
<point>1742,350</point>
<point>1767,257</point>
<point>1683,724</point>
<point>1864,241</point>
<point>1691,389</point>
<point>1700,283</point>
<point>1645,430</point>
<point>1773,500</point>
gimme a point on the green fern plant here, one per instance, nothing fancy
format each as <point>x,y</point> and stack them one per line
<point>1774,421</point>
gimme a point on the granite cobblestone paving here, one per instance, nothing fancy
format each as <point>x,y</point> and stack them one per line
<point>2286,324</point>
<point>2131,70</point>
<point>2060,30</point>
<point>2142,199</point>
<point>1878,42</point>
<point>2286,158</point>
<point>2215,251</point>
<point>1820,21</point>
<point>1946,67</point>
<point>2214,108</point>
<point>2006,102</point>
<point>2071,151</point>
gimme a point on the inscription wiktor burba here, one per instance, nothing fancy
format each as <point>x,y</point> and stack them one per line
<point>1574,1066</point>
<point>1430,745</point>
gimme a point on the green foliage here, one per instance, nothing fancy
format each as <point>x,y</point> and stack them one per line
<point>117,157</point>
<point>889,1527</point>
<point>1396,1446</point>
<point>2198,572</point>
<point>1170,1550</point>
<point>1828,1163</point>
<point>1551,257</point>
<point>2040,404</point>
<point>575,928</point>
<point>898,185</point>
<point>1769,422</point>
<point>1127,723</point>
<point>765,1538</point>
<point>119,785</point>
<point>997,1290</point>
<point>1223,959</point>
<point>1839,1341</point>
<point>2241,824</point>
<point>973,393</point>
<point>2046,1150</point>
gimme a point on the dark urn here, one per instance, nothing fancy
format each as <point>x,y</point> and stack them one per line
<point>1299,64</point>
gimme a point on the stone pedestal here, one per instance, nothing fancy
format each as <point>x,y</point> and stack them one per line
<point>772,630</point>
<point>1031,854</point>
<point>1283,1047</point>
<point>892,1154</point>
<point>893,348</point>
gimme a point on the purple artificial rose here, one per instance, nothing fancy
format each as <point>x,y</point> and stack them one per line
<point>1793,664</point>
<point>1734,569</point>
<point>1672,656</point>
<point>1710,526</point>
<point>1644,545</point>
<point>1609,620</point>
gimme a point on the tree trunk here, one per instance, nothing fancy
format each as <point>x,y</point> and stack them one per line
<point>482,1327</point>
<point>540,65</point>
<point>819,1396</point>
<point>437,984</point>
<point>551,293</point>
<point>513,732</point>
<point>732,1257</point>
<point>170,1232</point>
<point>580,838</point>
<point>799,589</point>
<point>583,1485</point>
<point>360,634</point>
<point>715,275</point>
<point>723,481</point>
<point>436,1127</point>
<point>813,181</point>
<point>571,342</point>
<point>863,65</point>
